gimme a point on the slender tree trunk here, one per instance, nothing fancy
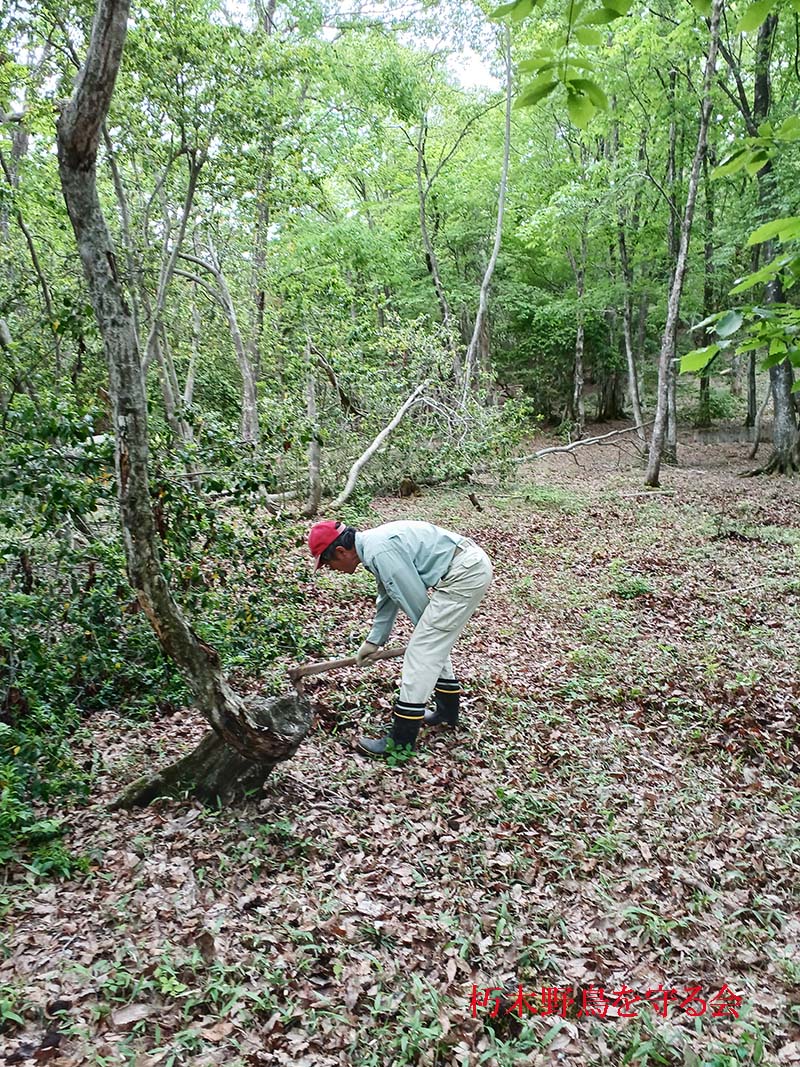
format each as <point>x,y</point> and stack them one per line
<point>171,250</point>
<point>670,447</point>
<point>758,420</point>
<point>188,389</point>
<point>669,338</point>
<point>249,428</point>
<point>786,443</point>
<point>785,458</point>
<point>704,406</point>
<point>258,294</point>
<point>670,454</point>
<point>431,260</point>
<point>47,297</point>
<point>752,402</point>
<point>315,444</point>
<point>258,730</point>
<point>471,358</point>
<point>577,405</point>
<point>127,231</point>
<point>641,324</point>
<point>627,329</point>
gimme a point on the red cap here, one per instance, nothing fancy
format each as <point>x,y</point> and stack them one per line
<point>321,536</point>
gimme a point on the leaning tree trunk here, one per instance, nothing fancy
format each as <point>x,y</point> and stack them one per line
<point>669,337</point>
<point>262,731</point>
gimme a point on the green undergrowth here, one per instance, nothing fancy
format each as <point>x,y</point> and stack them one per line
<point>73,638</point>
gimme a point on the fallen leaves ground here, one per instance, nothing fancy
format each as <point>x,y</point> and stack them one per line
<point>620,811</point>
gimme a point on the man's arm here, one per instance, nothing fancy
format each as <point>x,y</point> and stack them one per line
<point>385,614</point>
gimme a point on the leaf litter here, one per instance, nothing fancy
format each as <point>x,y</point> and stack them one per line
<point>619,810</point>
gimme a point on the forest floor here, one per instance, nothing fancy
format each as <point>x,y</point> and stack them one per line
<point>614,829</point>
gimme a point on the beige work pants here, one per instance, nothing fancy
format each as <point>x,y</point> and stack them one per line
<point>453,603</point>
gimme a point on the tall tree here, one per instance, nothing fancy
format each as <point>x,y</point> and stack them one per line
<point>261,733</point>
<point>669,338</point>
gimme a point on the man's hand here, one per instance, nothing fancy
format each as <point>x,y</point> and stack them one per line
<point>366,652</point>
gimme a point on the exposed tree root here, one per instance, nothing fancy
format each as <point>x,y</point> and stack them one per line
<point>780,462</point>
<point>215,773</point>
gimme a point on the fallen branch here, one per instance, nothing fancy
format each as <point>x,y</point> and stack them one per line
<point>578,444</point>
<point>366,456</point>
<point>649,492</point>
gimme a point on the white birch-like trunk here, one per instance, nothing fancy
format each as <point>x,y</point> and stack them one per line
<point>367,455</point>
<point>471,360</point>
<point>669,337</point>
<point>248,426</point>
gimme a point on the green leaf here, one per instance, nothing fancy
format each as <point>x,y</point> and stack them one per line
<point>728,324</point>
<point>517,10</point>
<point>784,229</point>
<point>790,128</point>
<point>580,109</point>
<point>592,90</point>
<point>574,62</point>
<point>702,7</point>
<point>538,60</point>
<point>731,165</point>
<point>708,321</point>
<point>528,66</point>
<point>796,386</point>
<point>762,276</point>
<point>619,7</point>
<point>538,89</point>
<point>773,359</point>
<point>754,16</point>
<point>600,18</point>
<point>587,36</point>
<point>756,161</point>
<point>698,358</point>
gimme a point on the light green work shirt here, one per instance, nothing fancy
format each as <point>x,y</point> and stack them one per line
<point>407,559</point>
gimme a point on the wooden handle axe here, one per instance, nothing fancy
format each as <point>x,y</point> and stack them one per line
<point>297,674</point>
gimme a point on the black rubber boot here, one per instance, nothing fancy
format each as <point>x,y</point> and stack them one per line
<point>406,722</point>
<point>448,697</point>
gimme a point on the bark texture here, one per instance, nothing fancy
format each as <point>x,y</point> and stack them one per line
<point>669,337</point>
<point>785,457</point>
<point>214,773</point>
<point>78,137</point>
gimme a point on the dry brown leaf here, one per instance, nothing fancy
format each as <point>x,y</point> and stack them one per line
<point>218,1031</point>
<point>125,1017</point>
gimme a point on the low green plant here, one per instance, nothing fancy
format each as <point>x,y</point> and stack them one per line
<point>11,1009</point>
<point>627,584</point>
